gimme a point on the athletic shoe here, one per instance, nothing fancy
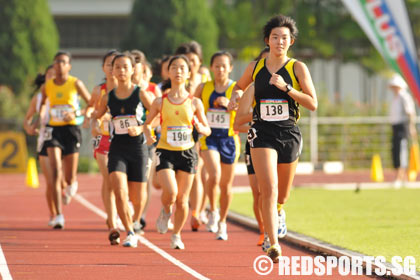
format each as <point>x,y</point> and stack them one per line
<point>163,221</point>
<point>58,222</point>
<point>143,223</point>
<point>222,232</point>
<point>138,228</point>
<point>51,222</point>
<point>176,242</point>
<point>213,220</point>
<point>131,241</point>
<point>266,243</point>
<point>69,192</point>
<point>170,225</point>
<point>114,237</point>
<point>66,198</point>
<point>203,217</point>
<point>195,223</point>
<point>397,184</point>
<point>282,231</point>
<point>274,252</point>
<point>261,240</point>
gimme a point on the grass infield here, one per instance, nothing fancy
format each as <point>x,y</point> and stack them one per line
<point>384,222</point>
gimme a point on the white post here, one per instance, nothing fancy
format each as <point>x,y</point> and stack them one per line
<point>313,127</point>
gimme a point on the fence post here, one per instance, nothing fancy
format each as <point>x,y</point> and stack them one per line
<point>313,128</point>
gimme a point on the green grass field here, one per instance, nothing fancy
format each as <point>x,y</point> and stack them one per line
<point>383,222</point>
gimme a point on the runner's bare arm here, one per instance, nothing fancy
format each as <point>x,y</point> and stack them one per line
<point>307,97</point>
<point>153,113</point>
<point>27,123</point>
<point>147,98</point>
<point>241,85</point>
<point>243,115</point>
<point>93,101</point>
<point>202,125</point>
<point>199,91</point>
<point>158,92</point>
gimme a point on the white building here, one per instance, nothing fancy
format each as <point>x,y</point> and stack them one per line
<point>88,29</point>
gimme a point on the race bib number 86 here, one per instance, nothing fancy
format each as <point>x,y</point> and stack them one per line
<point>122,123</point>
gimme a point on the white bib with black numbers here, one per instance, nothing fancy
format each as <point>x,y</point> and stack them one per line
<point>218,118</point>
<point>274,109</point>
<point>58,112</point>
<point>122,123</point>
<point>178,136</point>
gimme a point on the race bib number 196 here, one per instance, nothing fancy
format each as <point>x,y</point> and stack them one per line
<point>274,110</point>
<point>178,136</point>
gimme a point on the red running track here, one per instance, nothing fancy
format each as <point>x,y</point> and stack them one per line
<point>81,250</point>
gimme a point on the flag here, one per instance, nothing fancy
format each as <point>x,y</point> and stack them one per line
<point>387,25</point>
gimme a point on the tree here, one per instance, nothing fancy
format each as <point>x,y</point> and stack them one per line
<point>165,24</point>
<point>28,41</point>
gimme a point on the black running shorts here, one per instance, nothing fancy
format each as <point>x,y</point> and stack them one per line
<point>177,160</point>
<point>248,160</point>
<point>286,141</point>
<point>68,138</point>
<point>132,160</point>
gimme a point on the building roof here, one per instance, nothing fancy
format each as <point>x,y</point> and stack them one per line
<point>90,7</point>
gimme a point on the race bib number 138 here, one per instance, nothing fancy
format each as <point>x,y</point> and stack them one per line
<point>274,110</point>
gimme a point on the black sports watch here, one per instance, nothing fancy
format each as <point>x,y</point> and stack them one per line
<point>288,88</point>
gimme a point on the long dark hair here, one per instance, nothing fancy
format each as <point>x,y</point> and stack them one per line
<point>40,78</point>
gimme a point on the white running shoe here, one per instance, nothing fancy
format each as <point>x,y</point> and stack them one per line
<point>176,242</point>
<point>72,189</point>
<point>282,231</point>
<point>213,221</point>
<point>131,241</point>
<point>203,217</point>
<point>163,221</point>
<point>170,225</point>
<point>70,192</point>
<point>66,198</point>
<point>58,222</point>
<point>138,228</point>
<point>51,222</point>
<point>222,232</point>
<point>266,243</point>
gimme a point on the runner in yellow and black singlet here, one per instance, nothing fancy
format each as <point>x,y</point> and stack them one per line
<point>176,155</point>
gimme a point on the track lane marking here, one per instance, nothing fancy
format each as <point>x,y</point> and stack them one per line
<point>143,240</point>
<point>4,269</point>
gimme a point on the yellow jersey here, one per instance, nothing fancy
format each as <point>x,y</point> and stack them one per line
<point>63,98</point>
<point>219,119</point>
<point>177,125</point>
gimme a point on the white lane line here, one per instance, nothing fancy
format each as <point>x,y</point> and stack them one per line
<point>4,269</point>
<point>143,240</point>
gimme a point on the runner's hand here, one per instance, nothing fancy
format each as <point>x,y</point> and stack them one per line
<point>222,102</point>
<point>233,102</point>
<point>134,131</point>
<point>150,140</point>
<point>69,116</point>
<point>278,81</point>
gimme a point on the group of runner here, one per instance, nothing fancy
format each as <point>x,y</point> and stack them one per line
<point>181,136</point>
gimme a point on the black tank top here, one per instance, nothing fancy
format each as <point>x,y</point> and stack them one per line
<point>274,107</point>
<point>126,112</point>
